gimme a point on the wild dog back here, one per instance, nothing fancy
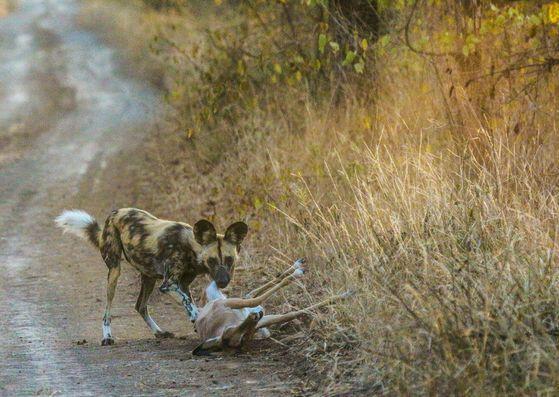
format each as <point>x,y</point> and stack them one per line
<point>148,241</point>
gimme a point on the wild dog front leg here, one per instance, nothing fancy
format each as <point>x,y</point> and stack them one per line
<point>183,298</point>
<point>172,288</point>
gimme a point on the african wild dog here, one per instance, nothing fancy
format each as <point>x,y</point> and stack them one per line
<point>157,247</point>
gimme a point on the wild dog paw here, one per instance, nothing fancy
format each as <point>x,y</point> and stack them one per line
<point>107,342</point>
<point>164,335</point>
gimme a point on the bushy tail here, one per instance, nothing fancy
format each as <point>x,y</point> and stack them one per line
<point>81,224</point>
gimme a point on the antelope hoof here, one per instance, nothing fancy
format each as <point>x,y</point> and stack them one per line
<point>263,333</point>
<point>107,342</point>
<point>299,263</point>
<point>164,335</point>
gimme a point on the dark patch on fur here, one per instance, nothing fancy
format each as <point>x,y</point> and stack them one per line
<point>171,248</point>
<point>92,230</point>
<point>219,250</point>
<point>110,244</point>
<point>228,261</point>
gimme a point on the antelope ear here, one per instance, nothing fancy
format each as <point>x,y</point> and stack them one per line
<point>236,233</point>
<point>204,232</point>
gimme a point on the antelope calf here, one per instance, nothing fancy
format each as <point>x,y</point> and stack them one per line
<point>230,322</point>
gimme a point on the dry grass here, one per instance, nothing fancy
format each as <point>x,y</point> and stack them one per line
<point>447,232</point>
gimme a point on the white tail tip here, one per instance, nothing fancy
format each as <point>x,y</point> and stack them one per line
<point>75,222</point>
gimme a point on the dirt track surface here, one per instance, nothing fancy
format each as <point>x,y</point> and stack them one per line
<point>65,114</point>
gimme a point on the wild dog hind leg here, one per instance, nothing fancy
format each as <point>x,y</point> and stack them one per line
<point>110,246</point>
<point>112,280</point>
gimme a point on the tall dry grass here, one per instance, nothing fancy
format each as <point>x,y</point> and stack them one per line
<point>446,230</point>
<point>454,264</point>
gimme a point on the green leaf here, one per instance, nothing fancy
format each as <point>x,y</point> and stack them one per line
<point>364,44</point>
<point>322,40</point>
<point>384,40</point>
<point>349,57</point>
<point>257,203</point>
<point>534,20</point>
<point>335,46</point>
<point>472,39</point>
<point>317,64</point>
<point>359,66</point>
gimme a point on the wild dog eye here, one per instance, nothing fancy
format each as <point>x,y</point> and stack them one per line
<point>228,261</point>
<point>212,262</point>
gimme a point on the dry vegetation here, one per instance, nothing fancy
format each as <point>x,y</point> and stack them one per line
<point>425,178</point>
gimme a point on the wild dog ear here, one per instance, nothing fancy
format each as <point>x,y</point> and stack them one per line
<point>204,232</point>
<point>236,233</point>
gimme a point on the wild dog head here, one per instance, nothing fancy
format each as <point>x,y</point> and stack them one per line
<point>219,252</point>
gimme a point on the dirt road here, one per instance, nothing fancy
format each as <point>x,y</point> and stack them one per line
<point>65,113</point>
